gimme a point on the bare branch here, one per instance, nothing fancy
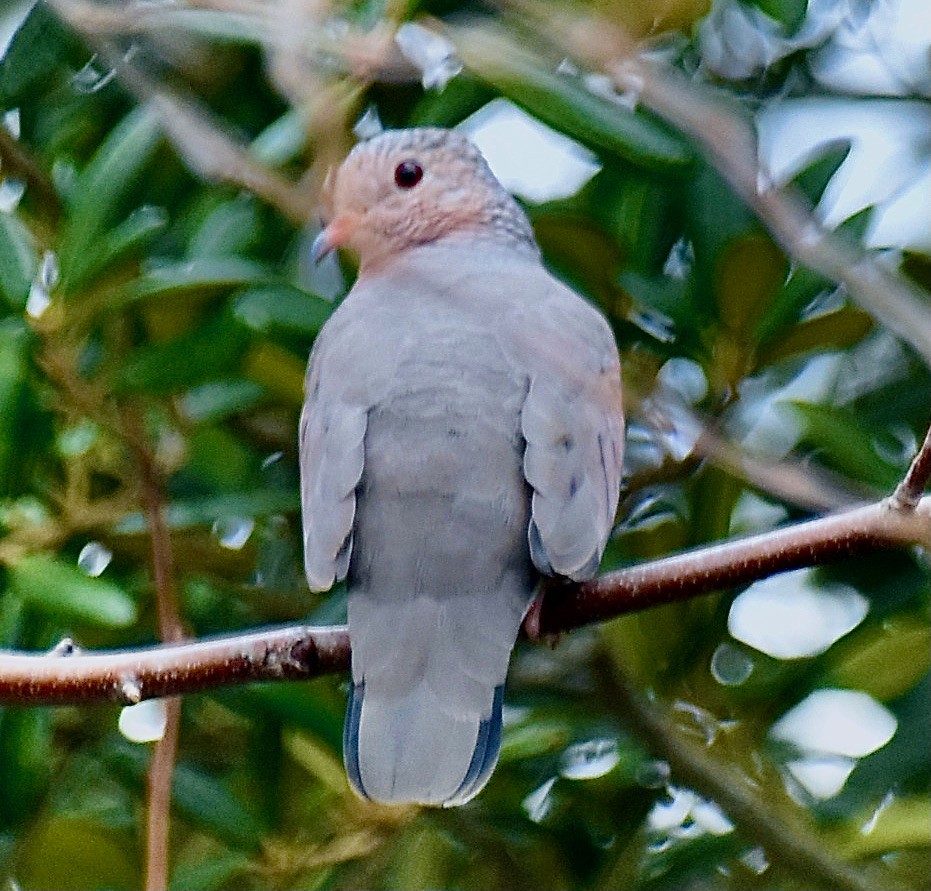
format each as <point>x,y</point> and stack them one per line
<point>738,562</point>
<point>302,652</point>
<point>211,151</point>
<point>129,676</point>
<point>170,629</point>
<point>158,795</point>
<point>15,160</point>
<point>811,487</point>
<point>908,493</point>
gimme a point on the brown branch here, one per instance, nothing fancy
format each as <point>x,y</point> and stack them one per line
<point>301,652</point>
<point>737,562</point>
<point>170,629</point>
<point>158,804</point>
<point>16,161</point>
<point>908,493</point>
<point>208,149</point>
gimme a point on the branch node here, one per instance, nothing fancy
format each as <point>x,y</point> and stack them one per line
<point>65,647</point>
<point>304,652</point>
<point>130,691</point>
<point>908,493</point>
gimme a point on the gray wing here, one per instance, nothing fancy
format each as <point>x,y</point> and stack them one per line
<point>332,454</point>
<point>350,360</point>
<point>573,425</point>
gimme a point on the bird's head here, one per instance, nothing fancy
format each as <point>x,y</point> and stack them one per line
<point>409,187</point>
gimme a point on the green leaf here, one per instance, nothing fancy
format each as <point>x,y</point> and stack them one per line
<point>750,270</point>
<point>39,46</point>
<point>18,263</point>
<point>102,186</point>
<point>814,178</point>
<point>566,104</point>
<point>715,218</point>
<point>283,139</point>
<point>129,237</point>
<point>25,761</point>
<point>207,801</point>
<point>219,458</point>
<point>208,873</point>
<point>14,360</point>
<point>198,275</point>
<point>462,96</point>
<point>847,444</point>
<point>896,765</point>
<point>831,331</point>
<point>854,228</point>
<point>76,855</point>
<point>230,228</point>
<point>904,823</point>
<point>306,707</point>
<point>200,797</point>
<point>800,288</point>
<point>788,12</point>
<point>534,738</point>
<point>282,309</point>
<point>213,349</point>
<point>217,400</point>
<point>884,660</point>
<point>64,592</point>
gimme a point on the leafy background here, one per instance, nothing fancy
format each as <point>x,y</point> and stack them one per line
<point>145,306</point>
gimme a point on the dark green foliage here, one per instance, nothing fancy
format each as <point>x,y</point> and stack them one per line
<point>178,321</point>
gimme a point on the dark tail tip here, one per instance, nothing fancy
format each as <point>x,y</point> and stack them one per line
<point>351,738</point>
<point>484,756</point>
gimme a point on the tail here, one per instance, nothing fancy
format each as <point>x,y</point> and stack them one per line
<point>413,748</point>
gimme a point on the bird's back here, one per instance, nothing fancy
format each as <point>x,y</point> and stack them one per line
<point>441,574</point>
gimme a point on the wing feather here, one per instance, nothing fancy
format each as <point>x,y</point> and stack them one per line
<point>573,426</point>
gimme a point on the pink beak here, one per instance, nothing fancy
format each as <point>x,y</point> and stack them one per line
<point>336,235</point>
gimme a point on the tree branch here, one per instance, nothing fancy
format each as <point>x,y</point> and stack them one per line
<point>301,652</point>
<point>69,676</point>
<point>170,630</point>
<point>736,562</point>
<point>908,493</point>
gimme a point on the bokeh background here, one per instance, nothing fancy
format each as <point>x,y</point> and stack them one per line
<point>155,313</point>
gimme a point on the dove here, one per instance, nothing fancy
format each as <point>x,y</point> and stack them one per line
<point>461,437</point>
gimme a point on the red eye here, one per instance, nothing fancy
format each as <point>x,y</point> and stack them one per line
<point>407,174</point>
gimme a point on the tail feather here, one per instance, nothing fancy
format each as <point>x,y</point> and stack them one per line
<point>412,749</point>
<point>351,737</point>
<point>484,757</point>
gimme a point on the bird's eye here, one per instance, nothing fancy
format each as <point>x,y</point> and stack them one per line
<point>407,174</point>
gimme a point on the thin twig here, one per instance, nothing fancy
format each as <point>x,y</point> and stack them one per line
<point>204,144</point>
<point>16,161</point>
<point>300,652</point>
<point>808,486</point>
<point>158,805</point>
<point>171,630</point>
<point>908,493</point>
